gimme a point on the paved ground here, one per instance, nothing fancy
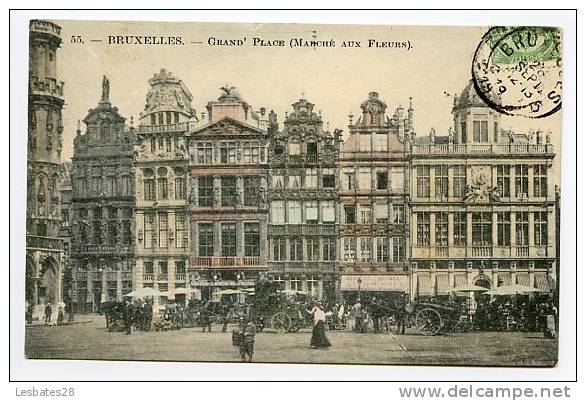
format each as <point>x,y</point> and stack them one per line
<point>92,341</point>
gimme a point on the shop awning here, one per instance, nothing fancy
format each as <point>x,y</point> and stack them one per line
<point>523,279</point>
<point>424,285</point>
<point>542,282</point>
<point>443,284</point>
<point>375,283</point>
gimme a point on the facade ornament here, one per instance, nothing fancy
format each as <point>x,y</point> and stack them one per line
<point>105,89</point>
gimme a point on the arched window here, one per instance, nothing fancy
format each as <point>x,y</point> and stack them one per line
<point>149,184</point>
<point>162,183</point>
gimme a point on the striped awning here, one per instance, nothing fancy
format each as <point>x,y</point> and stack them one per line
<point>523,279</point>
<point>542,282</point>
<point>424,285</point>
<point>505,279</point>
<point>443,284</point>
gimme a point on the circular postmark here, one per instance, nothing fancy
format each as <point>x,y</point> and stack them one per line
<point>518,70</point>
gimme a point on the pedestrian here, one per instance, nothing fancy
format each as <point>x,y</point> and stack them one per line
<point>60,315</point>
<point>247,345</point>
<point>204,314</point>
<point>129,316</point>
<point>48,312</point>
<point>318,334</point>
<point>358,313</point>
<point>147,315</point>
<point>69,311</point>
<point>29,314</point>
<point>225,312</point>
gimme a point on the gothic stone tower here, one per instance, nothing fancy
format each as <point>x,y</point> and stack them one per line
<point>44,258</point>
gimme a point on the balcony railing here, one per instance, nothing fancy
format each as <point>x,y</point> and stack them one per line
<point>37,242</point>
<point>481,149</point>
<point>179,276</point>
<point>228,261</point>
<point>148,277</point>
<point>317,266</point>
<point>522,251</point>
<point>303,229</point>
<point>482,251</point>
<point>441,251</point>
<point>177,127</point>
<point>304,159</point>
<point>162,277</point>
<point>100,248</point>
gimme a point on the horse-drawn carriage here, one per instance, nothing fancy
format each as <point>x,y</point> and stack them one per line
<point>277,309</point>
<point>427,318</point>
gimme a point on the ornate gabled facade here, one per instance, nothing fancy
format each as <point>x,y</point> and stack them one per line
<point>374,190</point>
<point>161,166</point>
<point>102,206</point>
<point>482,204</point>
<point>227,195</point>
<point>44,249</point>
<point>303,196</point>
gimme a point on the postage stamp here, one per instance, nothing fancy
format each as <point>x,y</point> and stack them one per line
<point>518,70</point>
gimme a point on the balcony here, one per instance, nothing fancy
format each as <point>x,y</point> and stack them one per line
<point>228,262</point>
<point>50,243</point>
<point>302,229</point>
<point>522,251</point>
<point>99,249</point>
<point>482,149</point>
<point>162,277</point>
<point>300,266</point>
<point>179,276</point>
<point>126,276</point>
<point>146,277</point>
<point>177,127</point>
<point>305,159</point>
<point>46,86</point>
<point>481,251</point>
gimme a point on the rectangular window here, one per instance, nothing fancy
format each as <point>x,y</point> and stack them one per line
<point>251,239</point>
<point>540,180</point>
<point>251,190</point>
<point>295,283</point>
<point>227,153</point>
<point>126,185</point>
<point>294,181</point>
<point>181,230</point>
<point>521,181</point>
<point>397,180</point>
<point>459,180</point>
<point>398,249</point>
<point>277,181</point>
<point>365,214</point>
<point>149,268</point>
<point>382,179</point>
<point>423,228</point>
<point>350,181</point>
<point>350,214</point>
<point>149,230</point>
<point>180,187</point>
<point>126,232</point>
<point>398,214</point>
<point>312,248</point>
<point>349,249</point>
<point>205,236</point>
<point>364,142</point>
<point>329,249</point>
<point>204,153</point>
<point>311,178</point>
<point>228,191</point>
<point>480,128</point>
<point>328,181</point>
<point>279,249</point>
<point>163,188</point>
<point>503,181</point>
<point>294,212</point>
<point>295,249</point>
<point>328,212</point>
<point>312,282</point>
<point>441,229</point>
<point>311,212</point>
<point>441,181</point>
<point>163,271</point>
<point>482,229</point>
<point>180,267</point>
<point>381,213</point>
<point>163,229</point>
<point>168,143</point>
<point>278,212</point>
<point>460,228</point>
<point>380,142</point>
<point>503,229</point>
<point>522,228</point>
<point>149,189</point>
<point>423,181</point>
<point>228,239</point>
<point>205,196</point>
<point>365,249</point>
<point>364,179</point>
<point>540,228</point>
<point>382,249</point>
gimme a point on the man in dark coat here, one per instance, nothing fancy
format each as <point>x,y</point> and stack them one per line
<point>48,313</point>
<point>148,315</point>
<point>129,314</point>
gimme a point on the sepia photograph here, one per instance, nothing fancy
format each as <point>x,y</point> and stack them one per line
<point>293,193</point>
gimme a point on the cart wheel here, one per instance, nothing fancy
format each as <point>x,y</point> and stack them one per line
<point>428,321</point>
<point>281,322</point>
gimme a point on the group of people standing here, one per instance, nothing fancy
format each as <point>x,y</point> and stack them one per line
<point>62,310</point>
<point>137,314</point>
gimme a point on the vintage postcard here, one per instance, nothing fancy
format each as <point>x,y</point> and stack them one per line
<point>293,193</point>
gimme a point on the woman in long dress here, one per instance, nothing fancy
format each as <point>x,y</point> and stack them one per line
<point>318,335</point>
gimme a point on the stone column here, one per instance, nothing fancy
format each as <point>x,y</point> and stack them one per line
<point>513,235</point>
<point>531,231</point>
<point>494,230</point>
<point>104,297</point>
<point>530,183</point>
<point>432,230</point>
<point>431,182</point>
<point>450,230</point>
<point>468,229</point>
<point>90,284</point>
<point>450,183</point>
<point>119,297</point>
<point>320,289</point>
<point>512,182</point>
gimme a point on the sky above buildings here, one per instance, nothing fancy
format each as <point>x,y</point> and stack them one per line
<point>336,79</point>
